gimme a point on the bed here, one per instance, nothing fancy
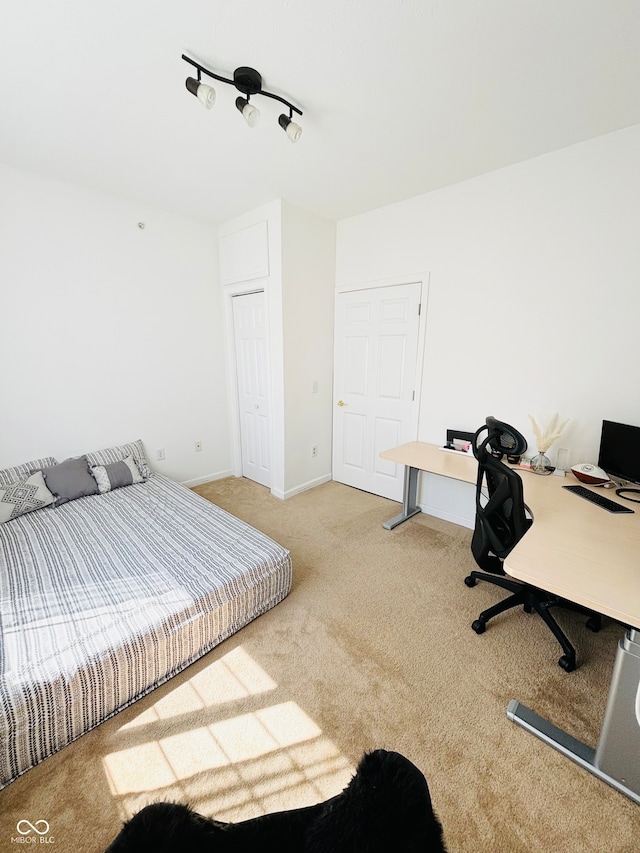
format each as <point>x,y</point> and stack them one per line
<point>106,595</point>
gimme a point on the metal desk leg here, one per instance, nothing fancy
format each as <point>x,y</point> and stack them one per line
<point>409,494</point>
<point>616,760</point>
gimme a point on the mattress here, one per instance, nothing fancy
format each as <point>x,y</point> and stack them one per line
<point>106,597</point>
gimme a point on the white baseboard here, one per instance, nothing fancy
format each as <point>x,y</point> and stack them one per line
<point>277,493</point>
<point>198,481</point>
<point>438,512</point>
<point>310,484</point>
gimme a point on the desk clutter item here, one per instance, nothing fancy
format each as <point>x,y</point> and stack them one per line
<point>597,498</point>
<point>545,437</point>
<point>623,493</point>
<point>457,450</point>
<point>541,464</point>
<point>588,473</point>
<point>460,441</point>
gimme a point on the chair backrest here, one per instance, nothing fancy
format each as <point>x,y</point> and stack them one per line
<point>501,519</point>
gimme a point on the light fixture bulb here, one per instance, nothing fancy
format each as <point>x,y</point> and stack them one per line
<point>205,94</point>
<point>292,129</point>
<point>250,113</point>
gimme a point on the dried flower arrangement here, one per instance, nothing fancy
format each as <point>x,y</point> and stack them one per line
<point>550,433</point>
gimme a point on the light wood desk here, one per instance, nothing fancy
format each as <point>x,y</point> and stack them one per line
<point>585,554</point>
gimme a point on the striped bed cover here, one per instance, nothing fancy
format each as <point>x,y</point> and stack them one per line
<point>106,597</point>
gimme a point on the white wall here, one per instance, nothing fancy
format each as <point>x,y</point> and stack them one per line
<point>109,332</point>
<point>308,273</point>
<point>534,283</point>
<point>299,290</point>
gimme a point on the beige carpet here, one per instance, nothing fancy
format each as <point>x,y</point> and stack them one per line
<point>372,648</point>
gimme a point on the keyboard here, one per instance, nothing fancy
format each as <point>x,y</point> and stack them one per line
<point>597,499</point>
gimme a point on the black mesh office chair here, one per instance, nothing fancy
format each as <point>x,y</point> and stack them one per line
<point>501,521</point>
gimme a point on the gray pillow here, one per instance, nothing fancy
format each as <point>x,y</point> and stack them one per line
<point>69,480</point>
<point>116,475</point>
<point>120,452</point>
<point>26,495</point>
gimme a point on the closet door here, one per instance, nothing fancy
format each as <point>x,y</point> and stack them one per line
<point>252,376</point>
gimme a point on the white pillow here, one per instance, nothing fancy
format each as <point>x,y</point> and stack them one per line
<point>21,472</point>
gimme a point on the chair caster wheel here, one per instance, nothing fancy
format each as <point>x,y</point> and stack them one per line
<point>478,626</point>
<point>594,623</point>
<point>567,663</point>
<point>470,581</point>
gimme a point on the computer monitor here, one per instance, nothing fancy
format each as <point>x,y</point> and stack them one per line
<point>619,452</point>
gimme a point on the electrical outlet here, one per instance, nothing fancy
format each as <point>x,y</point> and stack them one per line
<point>198,446</point>
<point>160,454</point>
<point>314,449</point>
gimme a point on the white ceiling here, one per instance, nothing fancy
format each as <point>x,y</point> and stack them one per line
<point>399,96</point>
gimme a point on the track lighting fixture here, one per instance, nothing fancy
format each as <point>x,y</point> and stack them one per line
<point>205,94</point>
<point>290,127</point>
<point>249,82</point>
<point>250,113</point>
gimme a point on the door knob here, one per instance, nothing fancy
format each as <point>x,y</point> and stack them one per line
<point>341,402</point>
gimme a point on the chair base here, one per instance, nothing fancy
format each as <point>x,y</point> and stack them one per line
<point>532,598</point>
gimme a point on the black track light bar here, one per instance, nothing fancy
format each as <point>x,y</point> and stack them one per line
<point>246,80</point>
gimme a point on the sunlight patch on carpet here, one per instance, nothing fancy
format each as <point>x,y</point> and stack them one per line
<point>233,677</point>
<point>247,764</point>
<point>155,764</point>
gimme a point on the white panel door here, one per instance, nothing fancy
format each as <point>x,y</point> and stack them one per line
<point>253,389</point>
<point>376,359</point>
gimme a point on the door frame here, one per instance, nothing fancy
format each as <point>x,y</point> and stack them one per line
<point>421,278</point>
<point>243,288</point>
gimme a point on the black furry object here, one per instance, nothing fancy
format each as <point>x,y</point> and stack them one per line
<point>385,807</point>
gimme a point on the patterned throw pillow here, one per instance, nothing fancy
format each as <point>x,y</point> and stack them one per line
<point>117,454</point>
<point>24,496</point>
<point>116,475</point>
